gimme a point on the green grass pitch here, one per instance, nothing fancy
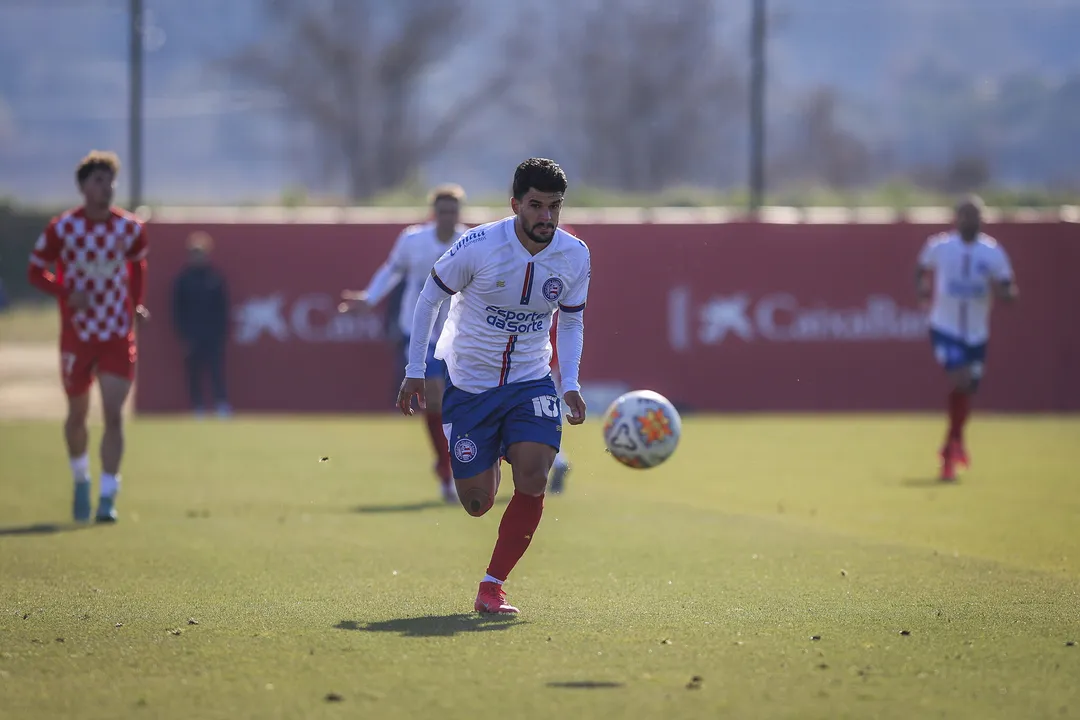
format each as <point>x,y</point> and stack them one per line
<point>776,567</point>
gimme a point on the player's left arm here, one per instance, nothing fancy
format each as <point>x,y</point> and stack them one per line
<point>570,340</point>
<point>136,258</point>
<point>1004,279</point>
<point>389,274</point>
<point>556,376</point>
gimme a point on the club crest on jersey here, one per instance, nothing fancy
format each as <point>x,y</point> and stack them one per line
<point>553,289</point>
<point>465,450</point>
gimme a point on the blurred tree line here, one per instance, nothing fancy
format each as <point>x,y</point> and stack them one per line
<point>644,100</point>
<point>638,97</point>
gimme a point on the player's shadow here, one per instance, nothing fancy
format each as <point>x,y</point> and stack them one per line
<point>586,685</point>
<point>43,529</point>
<point>434,625</point>
<point>927,482</point>
<point>400,507</point>
<point>416,507</point>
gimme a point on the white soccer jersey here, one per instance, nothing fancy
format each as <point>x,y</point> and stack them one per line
<point>499,324</point>
<point>412,257</point>
<point>963,293</point>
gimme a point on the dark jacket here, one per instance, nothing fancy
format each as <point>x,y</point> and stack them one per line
<point>201,305</point>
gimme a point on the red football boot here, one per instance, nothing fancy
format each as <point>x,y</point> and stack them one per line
<point>948,461</point>
<point>960,454</point>
<point>491,599</point>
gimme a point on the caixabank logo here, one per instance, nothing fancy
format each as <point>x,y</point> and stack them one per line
<point>782,317</point>
<point>311,318</point>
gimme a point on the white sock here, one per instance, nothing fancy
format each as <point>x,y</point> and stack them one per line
<point>80,468</point>
<point>488,578</point>
<point>560,460</point>
<point>110,484</point>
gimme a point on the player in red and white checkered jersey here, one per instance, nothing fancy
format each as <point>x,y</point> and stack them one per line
<point>99,253</point>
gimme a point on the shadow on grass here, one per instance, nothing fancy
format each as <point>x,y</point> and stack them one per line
<point>401,508</point>
<point>44,528</point>
<point>416,507</point>
<point>434,625</point>
<point>585,685</point>
<point>928,482</point>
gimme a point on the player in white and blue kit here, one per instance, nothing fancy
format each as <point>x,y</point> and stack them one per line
<point>969,270</point>
<point>415,251</point>
<point>506,280</point>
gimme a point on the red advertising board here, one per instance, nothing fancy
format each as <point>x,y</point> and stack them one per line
<point>724,317</point>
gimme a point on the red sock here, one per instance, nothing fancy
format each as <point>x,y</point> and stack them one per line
<point>959,408</point>
<point>438,441</point>
<point>519,523</point>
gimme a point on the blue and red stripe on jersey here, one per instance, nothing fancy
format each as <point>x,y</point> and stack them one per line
<point>963,319</point>
<point>571,308</point>
<point>504,374</point>
<point>526,288</point>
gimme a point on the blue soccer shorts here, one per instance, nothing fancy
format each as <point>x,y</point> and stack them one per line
<point>952,353</point>
<point>480,427</point>
<point>435,368</point>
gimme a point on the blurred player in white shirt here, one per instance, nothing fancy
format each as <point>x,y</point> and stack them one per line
<point>968,269</point>
<point>411,259</point>
<point>505,281</point>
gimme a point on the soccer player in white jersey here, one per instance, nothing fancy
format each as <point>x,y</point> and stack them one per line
<point>505,281</point>
<point>969,270</point>
<point>412,257</point>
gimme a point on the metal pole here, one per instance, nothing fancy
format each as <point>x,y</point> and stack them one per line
<point>135,108</point>
<point>757,105</point>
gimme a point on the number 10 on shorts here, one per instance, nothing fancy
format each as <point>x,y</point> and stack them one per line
<point>546,406</point>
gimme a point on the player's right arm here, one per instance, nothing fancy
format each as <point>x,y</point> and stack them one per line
<point>45,254</point>
<point>570,338</point>
<point>925,267</point>
<point>452,273</point>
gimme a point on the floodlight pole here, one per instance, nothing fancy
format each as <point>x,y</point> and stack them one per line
<point>757,104</point>
<point>135,103</point>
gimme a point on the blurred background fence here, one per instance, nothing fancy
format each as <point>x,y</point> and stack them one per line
<point>739,316</point>
<point>311,129</point>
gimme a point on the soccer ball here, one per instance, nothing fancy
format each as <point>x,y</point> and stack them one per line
<point>642,429</point>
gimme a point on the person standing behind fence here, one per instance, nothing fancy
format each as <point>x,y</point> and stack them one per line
<point>201,318</point>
